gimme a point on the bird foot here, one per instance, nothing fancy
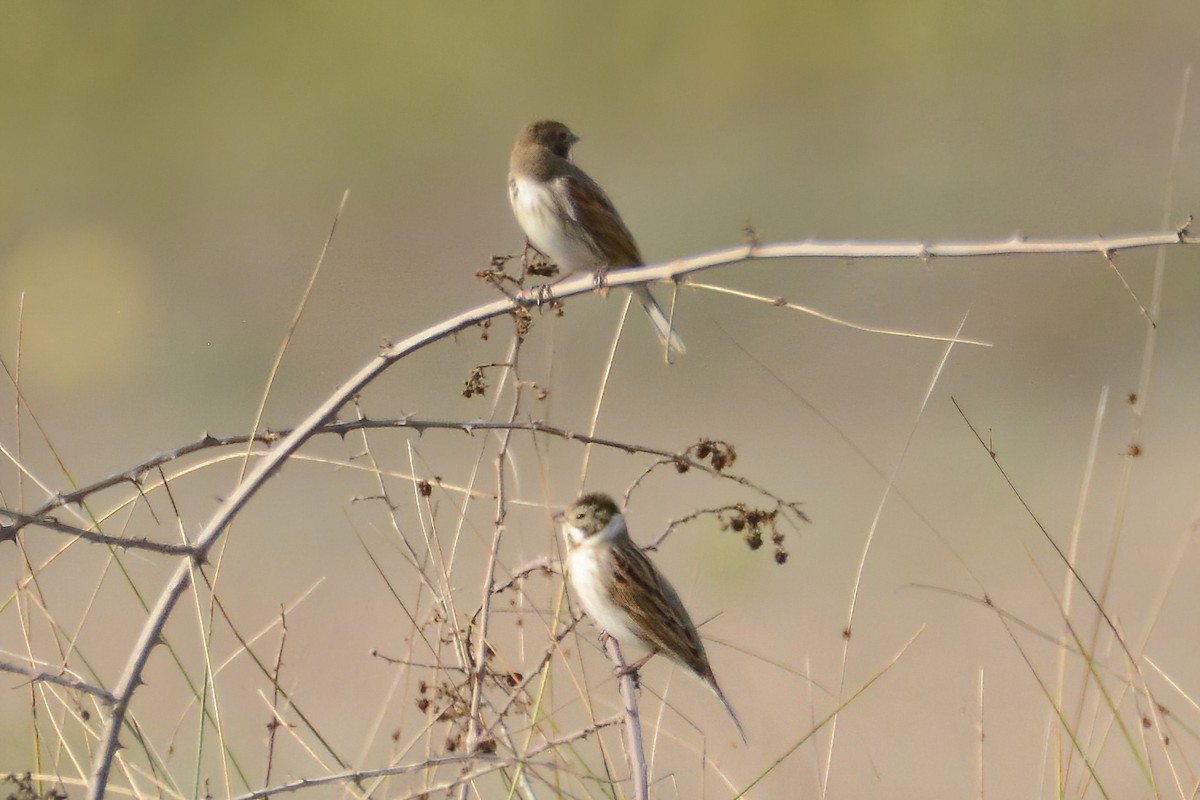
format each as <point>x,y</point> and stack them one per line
<point>632,669</point>
<point>541,293</point>
<point>600,280</point>
<point>628,669</point>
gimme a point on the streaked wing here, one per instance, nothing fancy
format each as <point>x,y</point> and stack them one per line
<point>655,609</point>
<point>598,218</point>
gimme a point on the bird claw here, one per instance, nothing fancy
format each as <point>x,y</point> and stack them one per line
<point>600,280</point>
<point>635,667</point>
<point>541,294</point>
<point>621,671</point>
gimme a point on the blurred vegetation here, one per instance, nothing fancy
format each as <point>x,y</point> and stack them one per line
<point>168,173</point>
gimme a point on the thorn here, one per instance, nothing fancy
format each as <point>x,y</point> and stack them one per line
<point>750,237</point>
<point>1182,230</point>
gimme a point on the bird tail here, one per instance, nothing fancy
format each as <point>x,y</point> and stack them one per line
<point>660,321</point>
<point>712,684</point>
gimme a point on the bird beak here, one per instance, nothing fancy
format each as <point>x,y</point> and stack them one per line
<point>559,517</point>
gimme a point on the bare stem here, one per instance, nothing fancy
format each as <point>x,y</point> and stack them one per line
<point>634,749</point>
<point>44,676</point>
<point>483,652</point>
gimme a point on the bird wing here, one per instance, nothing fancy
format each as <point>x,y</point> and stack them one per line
<point>599,221</point>
<point>656,610</point>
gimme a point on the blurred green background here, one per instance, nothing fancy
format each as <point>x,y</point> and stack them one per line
<point>169,171</point>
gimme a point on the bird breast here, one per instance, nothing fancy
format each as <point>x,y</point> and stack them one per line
<point>592,579</point>
<point>549,228</point>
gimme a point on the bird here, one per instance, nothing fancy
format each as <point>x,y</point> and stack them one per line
<point>626,595</point>
<point>568,218</point>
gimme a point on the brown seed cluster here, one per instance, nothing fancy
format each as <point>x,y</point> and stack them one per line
<point>720,455</point>
<point>451,703</point>
<point>755,524</point>
<point>475,384</point>
<point>496,272</point>
<point>540,268</point>
<point>26,791</point>
<point>523,319</point>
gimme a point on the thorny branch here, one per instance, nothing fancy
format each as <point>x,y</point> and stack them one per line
<point>673,271</point>
<point>43,676</point>
<point>692,457</point>
<point>10,532</point>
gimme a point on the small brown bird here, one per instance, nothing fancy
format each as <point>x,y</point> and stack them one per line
<point>568,217</point>
<point>626,595</point>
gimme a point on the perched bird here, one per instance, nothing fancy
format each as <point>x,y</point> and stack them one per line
<point>623,592</point>
<point>568,217</point>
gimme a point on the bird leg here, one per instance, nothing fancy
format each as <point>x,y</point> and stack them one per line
<point>632,669</point>
<point>540,266</point>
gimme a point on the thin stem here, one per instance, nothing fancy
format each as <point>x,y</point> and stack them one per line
<point>635,751</point>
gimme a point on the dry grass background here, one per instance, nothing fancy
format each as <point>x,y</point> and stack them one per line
<point>163,211</point>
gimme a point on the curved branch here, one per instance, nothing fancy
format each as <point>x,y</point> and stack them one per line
<point>42,676</point>
<point>10,532</point>
<point>583,283</point>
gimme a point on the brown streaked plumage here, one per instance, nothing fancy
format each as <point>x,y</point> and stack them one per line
<point>568,217</point>
<point>626,595</point>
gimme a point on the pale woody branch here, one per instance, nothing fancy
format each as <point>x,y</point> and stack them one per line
<point>339,428</point>
<point>1013,246</point>
<point>635,750</point>
<point>45,676</point>
<point>753,250</point>
<point>130,476</point>
<point>10,532</point>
